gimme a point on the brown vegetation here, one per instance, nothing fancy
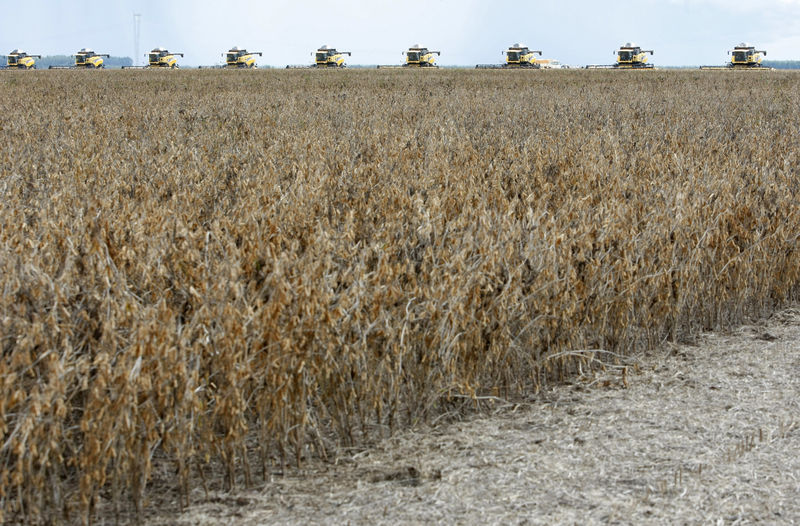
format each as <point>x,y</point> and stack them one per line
<point>242,270</point>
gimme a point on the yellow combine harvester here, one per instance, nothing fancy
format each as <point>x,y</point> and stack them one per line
<point>18,59</point>
<point>241,58</point>
<point>629,56</point>
<point>632,56</point>
<point>419,56</point>
<point>328,57</point>
<point>87,59</point>
<point>325,57</point>
<point>744,57</point>
<point>162,58</point>
<point>517,56</point>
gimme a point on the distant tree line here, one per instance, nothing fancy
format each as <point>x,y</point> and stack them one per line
<point>69,60</point>
<point>782,64</point>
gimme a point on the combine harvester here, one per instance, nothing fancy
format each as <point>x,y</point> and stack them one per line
<point>417,56</point>
<point>325,57</point>
<point>237,58</point>
<point>629,56</point>
<point>518,56</point>
<point>18,59</point>
<point>162,58</point>
<point>744,57</point>
<point>86,58</point>
<point>159,58</point>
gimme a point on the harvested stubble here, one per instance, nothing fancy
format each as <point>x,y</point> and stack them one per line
<point>194,263</point>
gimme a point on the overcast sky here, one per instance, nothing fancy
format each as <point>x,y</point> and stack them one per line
<point>578,32</point>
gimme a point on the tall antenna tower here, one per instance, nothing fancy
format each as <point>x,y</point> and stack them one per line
<point>137,24</point>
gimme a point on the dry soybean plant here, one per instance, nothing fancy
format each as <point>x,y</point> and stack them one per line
<point>225,273</point>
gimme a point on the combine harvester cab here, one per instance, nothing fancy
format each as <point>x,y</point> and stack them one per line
<point>19,59</point>
<point>518,56</point>
<point>163,58</point>
<point>241,58</point>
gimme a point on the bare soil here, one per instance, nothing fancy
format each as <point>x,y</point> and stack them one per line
<point>706,432</point>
